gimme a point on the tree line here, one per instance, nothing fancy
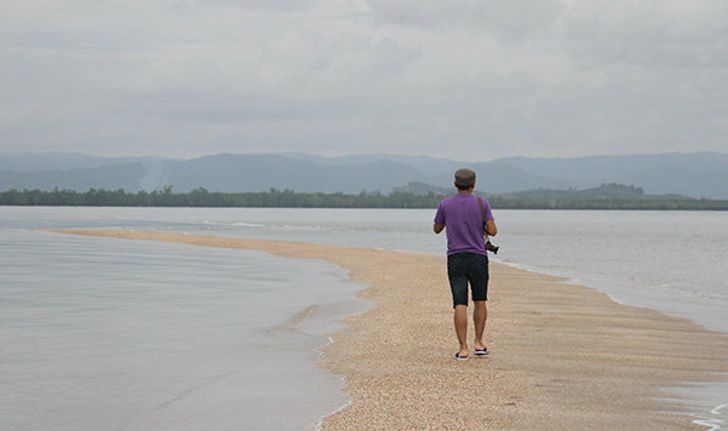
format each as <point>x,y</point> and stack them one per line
<point>201,197</point>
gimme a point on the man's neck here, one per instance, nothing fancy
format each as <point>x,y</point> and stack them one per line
<point>465,192</point>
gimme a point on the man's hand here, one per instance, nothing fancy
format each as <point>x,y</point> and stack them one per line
<point>438,227</point>
<point>490,228</point>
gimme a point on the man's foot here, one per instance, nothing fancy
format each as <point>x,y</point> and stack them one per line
<point>460,357</point>
<point>480,349</point>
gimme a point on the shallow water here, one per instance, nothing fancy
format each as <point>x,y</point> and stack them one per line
<point>111,334</point>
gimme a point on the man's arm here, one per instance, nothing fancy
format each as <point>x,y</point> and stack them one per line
<point>490,228</point>
<point>438,227</point>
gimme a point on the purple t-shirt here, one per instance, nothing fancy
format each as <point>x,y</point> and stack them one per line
<point>463,223</point>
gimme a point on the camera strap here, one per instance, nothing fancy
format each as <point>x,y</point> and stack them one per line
<point>482,214</point>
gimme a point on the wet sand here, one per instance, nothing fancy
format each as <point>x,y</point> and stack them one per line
<point>563,357</point>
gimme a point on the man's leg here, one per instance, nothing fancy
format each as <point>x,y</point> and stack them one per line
<point>461,328</point>
<point>480,315</point>
<point>479,283</point>
<point>459,288</point>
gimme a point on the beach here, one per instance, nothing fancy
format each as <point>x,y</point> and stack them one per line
<point>563,356</point>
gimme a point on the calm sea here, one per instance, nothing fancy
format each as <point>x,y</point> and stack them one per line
<point>150,333</point>
<point>107,334</point>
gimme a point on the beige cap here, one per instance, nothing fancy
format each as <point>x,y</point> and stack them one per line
<point>464,177</point>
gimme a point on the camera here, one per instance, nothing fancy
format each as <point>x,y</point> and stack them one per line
<point>490,247</point>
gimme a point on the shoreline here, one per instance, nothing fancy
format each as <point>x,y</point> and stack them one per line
<point>564,356</point>
<point>623,298</point>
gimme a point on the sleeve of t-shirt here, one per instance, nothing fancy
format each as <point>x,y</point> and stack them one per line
<point>440,215</point>
<point>488,211</point>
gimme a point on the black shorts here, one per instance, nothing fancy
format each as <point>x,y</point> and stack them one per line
<point>464,268</point>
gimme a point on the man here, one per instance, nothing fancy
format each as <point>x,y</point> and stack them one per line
<point>467,261</point>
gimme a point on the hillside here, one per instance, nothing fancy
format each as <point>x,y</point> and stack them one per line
<point>695,175</point>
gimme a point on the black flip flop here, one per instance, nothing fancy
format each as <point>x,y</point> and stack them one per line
<point>481,352</point>
<point>460,358</point>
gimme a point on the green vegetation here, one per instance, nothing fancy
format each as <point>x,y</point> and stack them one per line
<point>202,198</point>
<point>607,196</point>
<point>610,196</point>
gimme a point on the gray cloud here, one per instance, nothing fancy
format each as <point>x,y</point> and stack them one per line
<point>651,33</point>
<point>272,5</point>
<point>459,78</point>
<point>510,21</point>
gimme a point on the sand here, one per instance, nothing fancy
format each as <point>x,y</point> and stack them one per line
<point>564,357</point>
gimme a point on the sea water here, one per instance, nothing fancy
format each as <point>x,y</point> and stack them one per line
<point>107,334</point>
<point>670,261</point>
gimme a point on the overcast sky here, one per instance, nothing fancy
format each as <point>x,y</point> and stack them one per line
<point>465,79</point>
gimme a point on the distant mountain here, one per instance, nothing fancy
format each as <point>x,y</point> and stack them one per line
<point>222,172</point>
<point>235,172</point>
<point>33,162</point>
<point>606,196</point>
<point>694,175</point>
<point>422,189</point>
<point>126,176</point>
